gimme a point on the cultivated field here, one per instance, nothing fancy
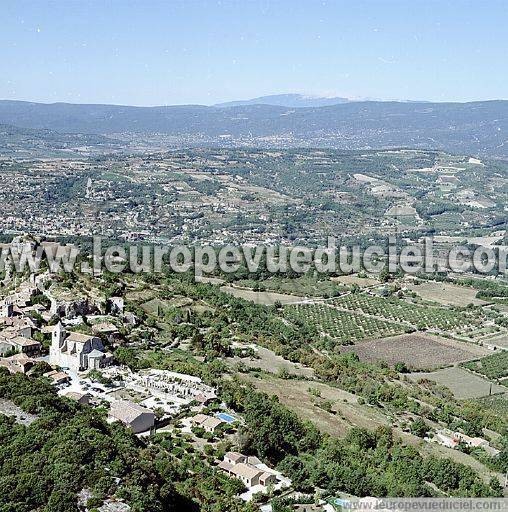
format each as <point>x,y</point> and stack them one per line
<point>498,404</point>
<point>493,366</point>
<point>345,327</point>
<point>500,341</point>
<point>303,286</point>
<point>266,298</point>
<point>416,350</point>
<point>396,310</point>
<point>486,241</point>
<point>446,293</point>
<point>462,384</point>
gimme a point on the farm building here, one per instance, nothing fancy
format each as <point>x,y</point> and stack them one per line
<point>137,418</point>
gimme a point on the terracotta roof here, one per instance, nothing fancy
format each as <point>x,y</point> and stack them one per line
<point>57,376</point>
<point>246,470</point>
<point>226,466</point>
<point>21,358</point>
<point>126,411</point>
<point>235,456</point>
<point>104,327</point>
<point>266,475</point>
<point>75,395</point>
<point>78,337</point>
<point>199,418</point>
<point>24,342</point>
<point>12,367</point>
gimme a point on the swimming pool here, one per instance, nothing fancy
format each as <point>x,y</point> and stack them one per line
<point>226,417</point>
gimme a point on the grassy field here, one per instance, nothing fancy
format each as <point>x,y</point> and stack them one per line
<point>462,384</point>
<point>354,279</point>
<point>141,295</point>
<point>343,326</point>
<point>270,362</point>
<point>446,293</point>
<point>209,280</point>
<point>266,298</point>
<point>347,413</point>
<point>416,350</point>
<point>300,396</point>
<point>305,285</point>
<point>437,450</point>
<point>159,306</point>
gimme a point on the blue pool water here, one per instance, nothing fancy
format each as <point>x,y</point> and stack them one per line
<point>226,417</point>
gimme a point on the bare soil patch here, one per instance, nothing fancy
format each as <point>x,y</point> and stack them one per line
<point>10,409</point>
<point>416,350</point>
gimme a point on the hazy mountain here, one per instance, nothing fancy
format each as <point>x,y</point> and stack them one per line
<point>478,127</point>
<point>287,100</point>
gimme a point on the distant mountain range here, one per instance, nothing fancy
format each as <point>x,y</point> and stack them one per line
<point>300,101</point>
<point>476,128</point>
<point>287,100</point>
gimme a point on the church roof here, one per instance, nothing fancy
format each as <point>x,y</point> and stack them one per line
<point>77,337</point>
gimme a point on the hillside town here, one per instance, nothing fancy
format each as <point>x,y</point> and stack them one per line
<point>40,334</point>
<point>86,338</point>
<point>220,196</point>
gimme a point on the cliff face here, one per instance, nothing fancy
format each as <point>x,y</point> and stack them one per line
<point>68,305</point>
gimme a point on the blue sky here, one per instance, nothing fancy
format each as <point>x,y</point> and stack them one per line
<point>176,52</point>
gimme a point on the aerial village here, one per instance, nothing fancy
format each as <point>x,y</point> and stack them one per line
<point>36,328</point>
<point>76,342</point>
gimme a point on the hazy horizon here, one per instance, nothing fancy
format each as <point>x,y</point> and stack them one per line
<point>234,99</point>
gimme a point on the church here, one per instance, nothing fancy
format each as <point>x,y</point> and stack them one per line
<point>76,351</point>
